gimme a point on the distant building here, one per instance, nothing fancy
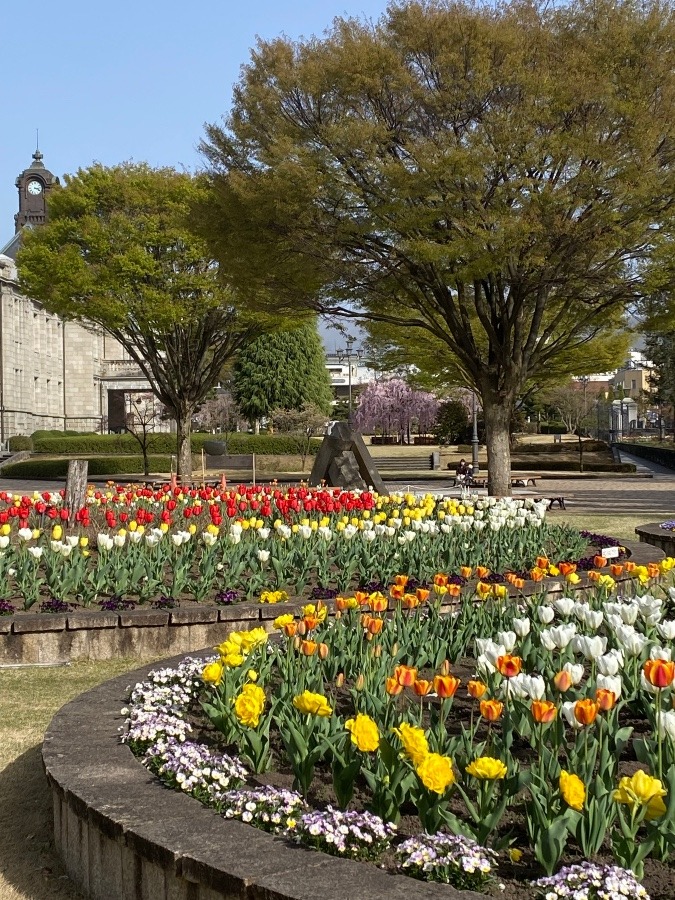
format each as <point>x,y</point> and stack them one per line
<point>54,374</point>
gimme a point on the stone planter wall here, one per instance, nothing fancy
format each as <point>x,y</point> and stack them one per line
<point>48,639</point>
<point>656,536</point>
<point>124,837</point>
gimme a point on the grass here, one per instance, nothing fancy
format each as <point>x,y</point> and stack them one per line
<point>29,697</point>
<point>614,526</point>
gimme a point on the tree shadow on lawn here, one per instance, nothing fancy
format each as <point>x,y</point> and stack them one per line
<point>29,865</point>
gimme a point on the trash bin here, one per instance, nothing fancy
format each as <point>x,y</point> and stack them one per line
<point>435,459</point>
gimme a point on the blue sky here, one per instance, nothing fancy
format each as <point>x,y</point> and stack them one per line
<point>130,80</point>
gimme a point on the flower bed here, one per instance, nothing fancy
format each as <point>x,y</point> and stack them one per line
<point>548,738</point>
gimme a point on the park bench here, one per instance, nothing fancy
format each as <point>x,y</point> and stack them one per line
<point>430,461</point>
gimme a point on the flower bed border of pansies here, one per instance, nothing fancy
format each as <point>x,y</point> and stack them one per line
<point>120,837</point>
<point>53,639</point>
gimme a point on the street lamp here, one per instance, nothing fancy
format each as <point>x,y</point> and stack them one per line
<point>474,437</point>
<point>347,354</point>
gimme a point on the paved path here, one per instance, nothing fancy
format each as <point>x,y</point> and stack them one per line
<point>652,497</point>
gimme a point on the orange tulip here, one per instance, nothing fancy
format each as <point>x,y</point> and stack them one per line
<point>454,590</point>
<point>362,598</point>
<point>483,589</point>
<point>491,709</point>
<point>422,594</point>
<point>323,651</point>
<point>659,672</point>
<point>653,570</point>
<point>476,689</point>
<point>392,687</point>
<point>397,592</point>
<point>594,575</point>
<point>422,687</point>
<point>519,584</point>
<point>375,625</point>
<point>536,574</point>
<point>599,562</point>
<point>410,601</point>
<point>440,580</point>
<point>510,577</point>
<point>566,568</point>
<point>308,648</point>
<point>341,604</point>
<point>542,562</point>
<point>630,566</point>
<point>444,668</point>
<point>508,665</point>
<point>586,711</point>
<point>311,622</point>
<point>446,685</point>
<point>482,572</point>
<point>400,580</point>
<point>605,699</point>
<point>616,569</point>
<point>290,629</point>
<point>543,711</point>
<point>466,571</point>
<point>562,681</point>
<point>378,602</point>
<point>405,675</point>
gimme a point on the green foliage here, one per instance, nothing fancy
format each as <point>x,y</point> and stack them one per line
<point>284,370</point>
<point>451,422</point>
<point>471,192</point>
<point>566,465</point>
<point>81,444</point>
<point>101,465</point>
<point>117,252</point>
<point>19,442</point>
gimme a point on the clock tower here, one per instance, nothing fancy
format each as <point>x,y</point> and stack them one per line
<point>34,184</point>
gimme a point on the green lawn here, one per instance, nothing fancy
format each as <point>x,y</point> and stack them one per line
<point>614,526</point>
<point>29,868</point>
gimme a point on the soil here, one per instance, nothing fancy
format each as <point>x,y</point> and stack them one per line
<point>516,878</point>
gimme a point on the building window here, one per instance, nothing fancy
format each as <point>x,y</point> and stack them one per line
<point>633,384</point>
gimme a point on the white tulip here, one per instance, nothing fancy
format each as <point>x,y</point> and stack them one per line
<point>634,644</point>
<point>135,537</point>
<point>561,635</point>
<point>36,552</point>
<point>590,647</point>
<point>263,533</point>
<point>534,687</point>
<point>657,652</point>
<point>119,541</point>
<point>25,534</point>
<point>508,639</point>
<point>546,640</point>
<point>234,537</point>
<point>521,627</point>
<point>72,540</point>
<point>614,620</point>
<point>576,671</point>
<point>610,683</point>
<point>568,713</point>
<point>666,724</point>
<point>56,546</point>
<point>208,538</point>
<point>629,613</point>
<point>610,663</point>
<point>263,555</point>
<point>305,531</point>
<point>593,619</point>
<point>580,609</point>
<point>151,540</point>
<point>104,542</point>
<point>666,629</point>
<point>4,541</point>
<point>564,606</point>
<point>545,614</point>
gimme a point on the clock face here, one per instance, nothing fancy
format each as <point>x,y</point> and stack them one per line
<point>34,187</point>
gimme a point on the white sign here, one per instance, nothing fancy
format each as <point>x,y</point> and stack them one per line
<point>610,552</point>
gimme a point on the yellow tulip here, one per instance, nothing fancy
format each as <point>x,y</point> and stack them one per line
<point>365,733</point>
<point>642,789</point>
<point>572,789</point>
<point>435,772</point>
<point>486,768</point>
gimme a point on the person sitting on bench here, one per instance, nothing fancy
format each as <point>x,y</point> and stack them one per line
<point>463,472</point>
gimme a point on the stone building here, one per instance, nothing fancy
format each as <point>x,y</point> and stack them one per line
<point>54,374</point>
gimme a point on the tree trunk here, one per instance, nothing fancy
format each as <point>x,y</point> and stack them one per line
<point>184,448</point>
<point>497,415</point>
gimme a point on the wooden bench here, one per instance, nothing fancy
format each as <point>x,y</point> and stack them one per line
<point>405,463</point>
<point>551,500</point>
<point>523,479</point>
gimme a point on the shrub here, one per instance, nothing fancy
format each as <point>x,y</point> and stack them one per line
<point>165,443</point>
<point>19,442</point>
<point>553,428</point>
<point>102,465</point>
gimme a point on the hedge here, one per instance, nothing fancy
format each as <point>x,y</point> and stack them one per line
<point>100,465</point>
<point>569,465</point>
<point>663,456</point>
<point>262,444</point>
<point>20,442</point>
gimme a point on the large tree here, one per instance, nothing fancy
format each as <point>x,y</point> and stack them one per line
<point>284,370</point>
<point>117,252</point>
<point>489,174</point>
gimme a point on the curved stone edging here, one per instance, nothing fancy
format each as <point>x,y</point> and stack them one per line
<point>123,837</point>
<point>656,536</point>
<point>48,639</point>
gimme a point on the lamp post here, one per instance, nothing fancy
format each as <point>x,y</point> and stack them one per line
<point>474,436</point>
<point>347,354</point>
